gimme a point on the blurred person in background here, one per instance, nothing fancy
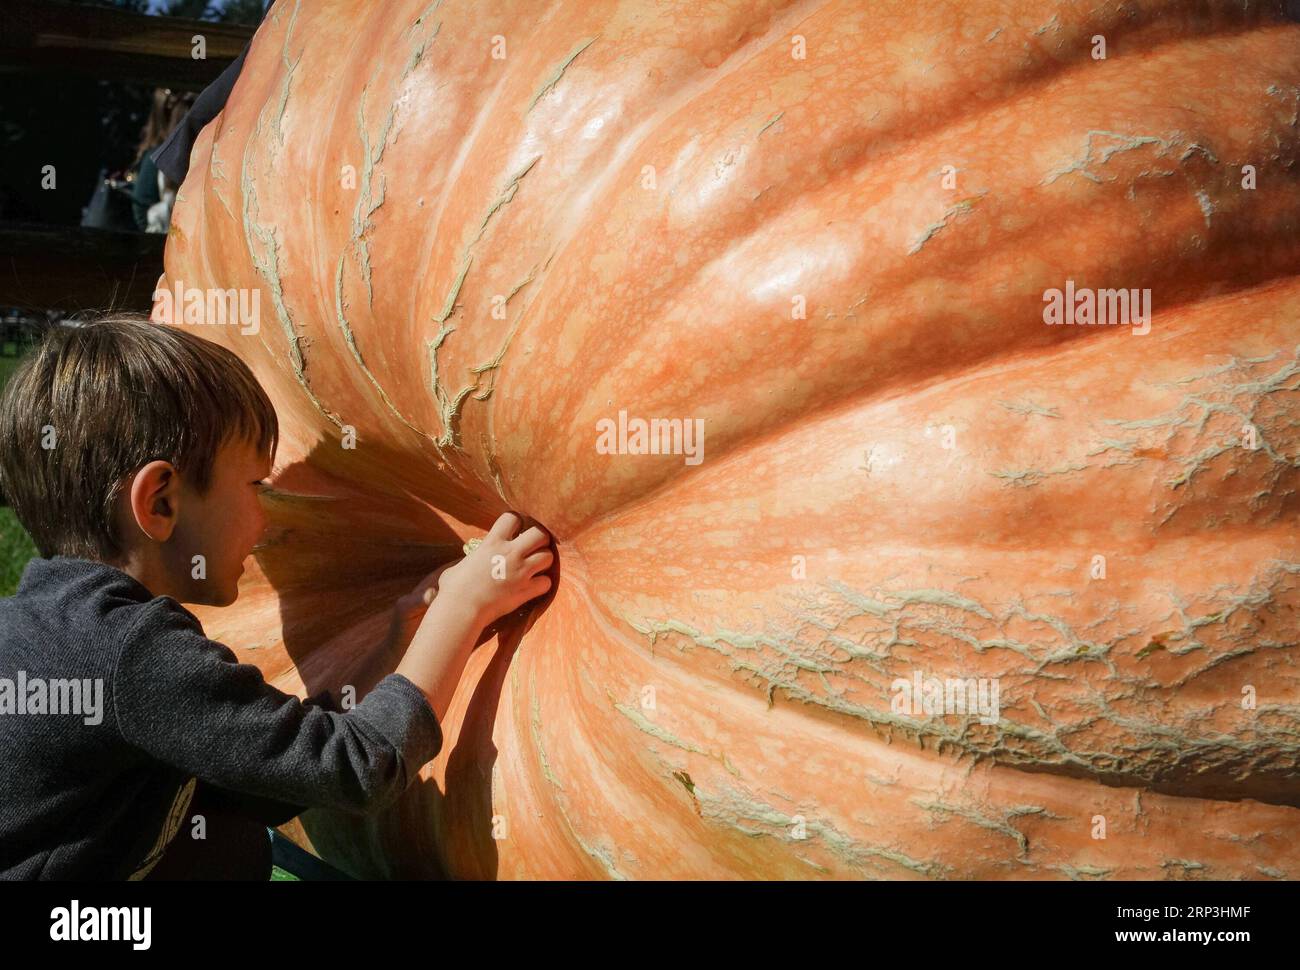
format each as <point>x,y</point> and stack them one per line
<point>140,198</point>
<point>153,192</point>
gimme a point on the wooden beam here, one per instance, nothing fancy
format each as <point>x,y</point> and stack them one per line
<point>39,36</point>
<point>70,268</point>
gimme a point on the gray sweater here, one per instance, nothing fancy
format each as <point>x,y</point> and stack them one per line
<point>112,700</point>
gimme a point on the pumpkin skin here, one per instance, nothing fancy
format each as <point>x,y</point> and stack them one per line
<point>916,474</point>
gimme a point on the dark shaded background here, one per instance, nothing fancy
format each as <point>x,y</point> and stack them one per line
<point>79,124</point>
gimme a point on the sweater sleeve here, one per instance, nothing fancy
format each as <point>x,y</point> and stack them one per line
<point>187,701</point>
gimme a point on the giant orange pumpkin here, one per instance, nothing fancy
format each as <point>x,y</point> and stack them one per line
<point>479,230</point>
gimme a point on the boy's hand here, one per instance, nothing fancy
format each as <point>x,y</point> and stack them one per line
<point>502,572</point>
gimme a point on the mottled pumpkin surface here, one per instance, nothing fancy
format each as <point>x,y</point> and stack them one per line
<point>824,230</point>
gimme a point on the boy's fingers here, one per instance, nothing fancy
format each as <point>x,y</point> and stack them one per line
<point>537,586</point>
<point>532,539</point>
<point>539,561</point>
<point>505,527</point>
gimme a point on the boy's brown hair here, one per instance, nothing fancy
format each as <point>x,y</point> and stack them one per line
<point>94,401</point>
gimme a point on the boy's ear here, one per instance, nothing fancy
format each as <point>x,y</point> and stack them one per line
<point>153,499</point>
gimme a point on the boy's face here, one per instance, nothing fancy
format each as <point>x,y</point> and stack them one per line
<point>222,526</point>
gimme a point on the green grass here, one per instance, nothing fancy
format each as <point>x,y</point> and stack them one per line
<point>16,549</point>
<point>15,546</point>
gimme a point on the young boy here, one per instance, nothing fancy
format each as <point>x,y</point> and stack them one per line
<point>126,450</point>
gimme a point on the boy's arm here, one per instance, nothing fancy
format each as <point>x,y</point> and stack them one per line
<point>188,702</point>
<point>268,811</point>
